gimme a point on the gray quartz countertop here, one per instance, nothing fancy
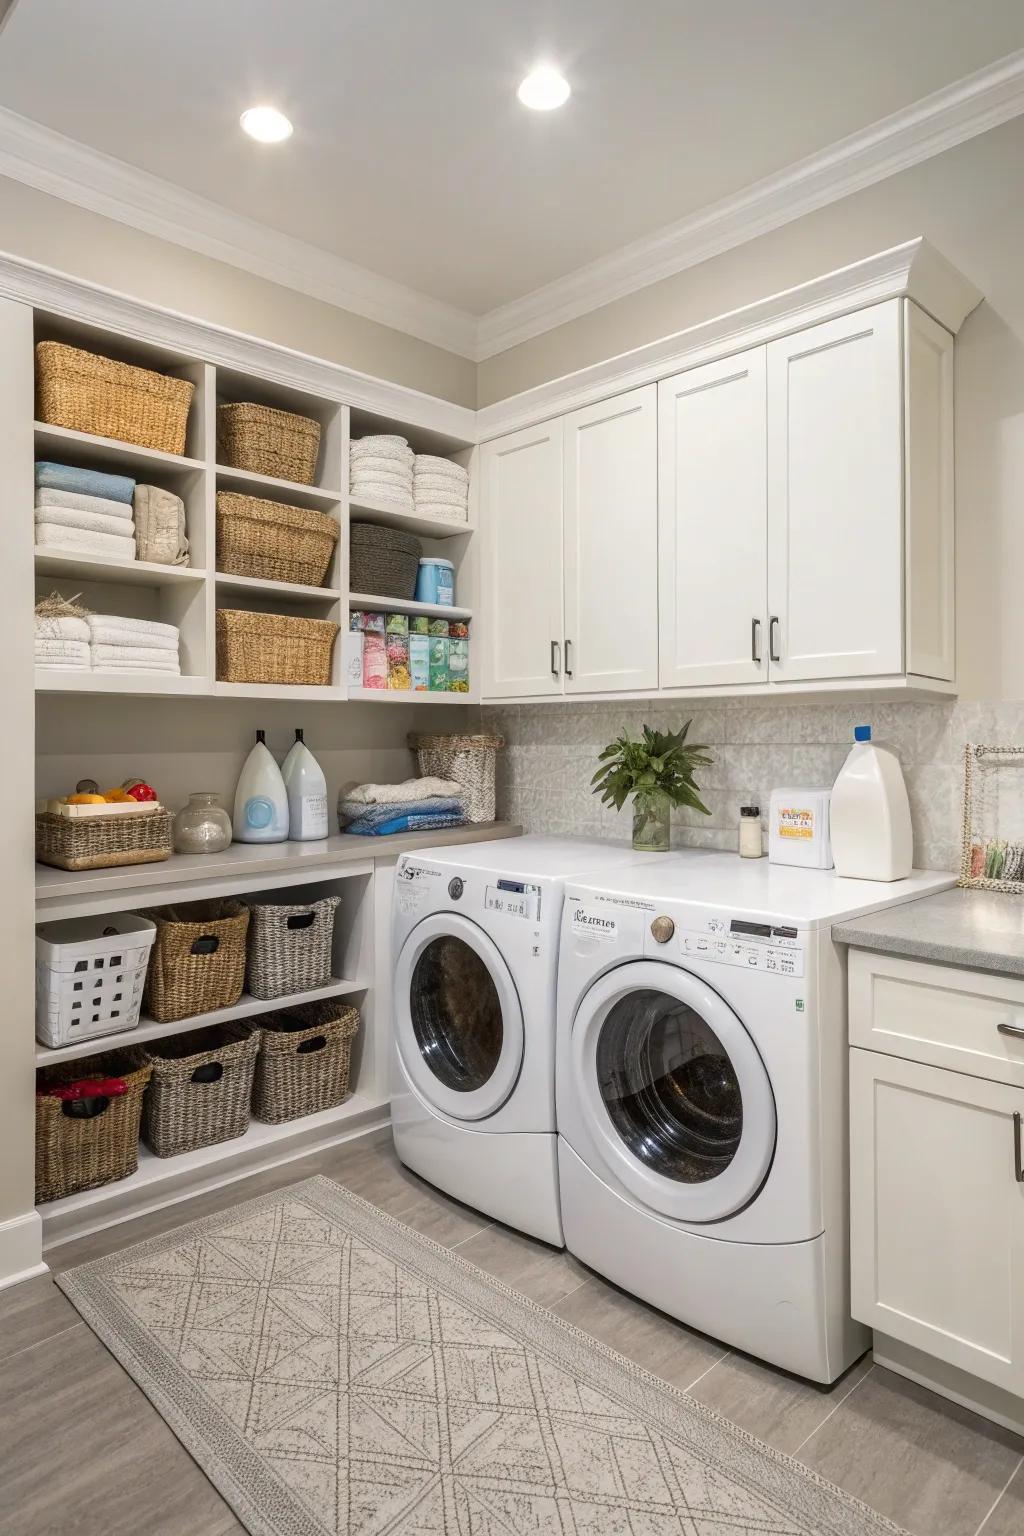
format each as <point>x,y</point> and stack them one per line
<point>979,930</point>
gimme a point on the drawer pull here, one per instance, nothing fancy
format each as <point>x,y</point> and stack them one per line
<point>1011,1029</point>
<point>1018,1169</point>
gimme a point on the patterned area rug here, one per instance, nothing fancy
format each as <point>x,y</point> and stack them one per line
<point>334,1372</point>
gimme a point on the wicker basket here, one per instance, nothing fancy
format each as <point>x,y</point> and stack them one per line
<point>89,393</point>
<point>273,541</point>
<point>200,1089</point>
<point>198,959</point>
<point>268,442</point>
<point>103,842</point>
<point>290,947</point>
<point>384,561</point>
<point>469,760</point>
<point>304,1060</point>
<point>74,1154</point>
<point>272,648</point>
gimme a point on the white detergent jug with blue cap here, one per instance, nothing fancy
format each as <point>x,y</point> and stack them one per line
<point>869,820</point>
<point>261,800</point>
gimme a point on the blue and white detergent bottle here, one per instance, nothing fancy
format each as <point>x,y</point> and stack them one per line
<point>261,800</point>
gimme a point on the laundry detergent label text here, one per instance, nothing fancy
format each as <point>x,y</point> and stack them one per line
<point>796,821</point>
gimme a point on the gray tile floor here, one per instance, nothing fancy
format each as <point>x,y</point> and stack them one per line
<point>82,1453</point>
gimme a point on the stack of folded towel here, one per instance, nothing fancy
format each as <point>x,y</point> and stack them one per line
<point>419,805</point>
<point>84,511</point>
<point>132,645</point>
<point>440,488</point>
<point>62,643</point>
<point>380,468</point>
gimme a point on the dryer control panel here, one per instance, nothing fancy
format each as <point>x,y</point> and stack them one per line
<point>776,949</point>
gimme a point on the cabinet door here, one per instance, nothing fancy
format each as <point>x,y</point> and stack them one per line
<point>521,543</point>
<point>713,524</point>
<point>937,1214</point>
<point>835,498</point>
<point>611,544</point>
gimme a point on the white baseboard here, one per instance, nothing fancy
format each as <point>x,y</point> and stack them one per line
<point>21,1249</point>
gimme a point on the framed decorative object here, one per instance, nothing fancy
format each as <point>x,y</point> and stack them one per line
<point>993,845</point>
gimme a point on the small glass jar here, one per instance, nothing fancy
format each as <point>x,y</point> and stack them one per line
<point>651,811</point>
<point>202,826</point>
<point>751,846</point>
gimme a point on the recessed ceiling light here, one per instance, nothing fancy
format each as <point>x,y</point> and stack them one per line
<point>544,89</point>
<point>266,124</point>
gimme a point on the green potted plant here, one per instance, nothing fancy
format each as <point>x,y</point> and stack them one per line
<point>658,772</point>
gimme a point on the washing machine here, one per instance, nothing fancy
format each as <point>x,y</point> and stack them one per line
<point>701,1085</point>
<point>475,940</point>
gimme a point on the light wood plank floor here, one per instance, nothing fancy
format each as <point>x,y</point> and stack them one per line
<point>82,1453</point>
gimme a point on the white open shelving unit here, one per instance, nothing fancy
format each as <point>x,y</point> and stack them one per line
<point>190,596</point>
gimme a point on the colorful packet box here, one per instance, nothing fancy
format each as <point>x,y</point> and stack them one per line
<point>419,662</point>
<point>458,665</point>
<point>438,675</point>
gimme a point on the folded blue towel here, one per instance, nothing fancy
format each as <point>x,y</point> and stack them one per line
<point>85,482</point>
<point>413,821</point>
<point>373,815</point>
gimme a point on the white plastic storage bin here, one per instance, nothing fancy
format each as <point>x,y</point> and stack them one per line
<point>89,976</point>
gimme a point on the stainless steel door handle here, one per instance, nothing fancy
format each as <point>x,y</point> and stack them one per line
<point>1011,1029</point>
<point>755,641</point>
<point>1018,1169</point>
<point>773,635</point>
<point>556,659</point>
<point>568,659</point>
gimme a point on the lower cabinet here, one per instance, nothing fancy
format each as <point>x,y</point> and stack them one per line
<point>937,1212</point>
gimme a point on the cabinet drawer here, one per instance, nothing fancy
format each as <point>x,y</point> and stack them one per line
<point>936,1014</point>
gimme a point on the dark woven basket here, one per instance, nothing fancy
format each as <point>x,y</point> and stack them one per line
<point>383,561</point>
<point>200,1089</point>
<point>290,947</point>
<point>304,1061</point>
<point>103,842</point>
<point>74,1154</point>
<point>198,959</point>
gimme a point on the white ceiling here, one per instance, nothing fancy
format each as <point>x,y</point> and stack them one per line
<point>411,156</point>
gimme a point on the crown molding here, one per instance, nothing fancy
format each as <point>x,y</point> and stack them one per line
<point>914,270</point>
<point>91,304</point>
<point>938,122</point>
<point>60,166</point>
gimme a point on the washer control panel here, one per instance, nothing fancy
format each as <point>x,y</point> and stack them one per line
<point>776,949</point>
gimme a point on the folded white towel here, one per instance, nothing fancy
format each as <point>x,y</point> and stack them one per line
<point>442,483</point>
<point>63,664</point>
<point>382,445</point>
<point>441,510</point>
<point>412,789</point>
<point>91,522</point>
<point>368,468</point>
<point>101,654</point>
<point>431,464</point>
<point>141,668</point>
<point>45,497</point>
<point>48,628</point>
<point>378,490</point>
<point>57,650</point>
<point>58,539</point>
<point>109,635</point>
<point>131,627</point>
<point>442,498</point>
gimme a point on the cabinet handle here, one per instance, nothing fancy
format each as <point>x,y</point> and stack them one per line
<point>1018,1169</point>
<point>755,641</point>
<point>1011,1029</point>
<point>568,658</point>
<point>773,637</point>
<point>556,659</point>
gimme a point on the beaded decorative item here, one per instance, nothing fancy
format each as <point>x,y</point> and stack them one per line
<point>993,834</point>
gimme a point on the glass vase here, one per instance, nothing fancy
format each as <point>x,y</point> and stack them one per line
<point>202,826</point>
<point>651,822</point>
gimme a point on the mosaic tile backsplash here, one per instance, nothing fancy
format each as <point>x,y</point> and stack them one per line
<point>551,752</point>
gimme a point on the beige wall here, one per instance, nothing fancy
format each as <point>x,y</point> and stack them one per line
<point>71,239</point>
<point>968,203</point>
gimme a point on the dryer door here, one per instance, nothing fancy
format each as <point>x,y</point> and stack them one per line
<point>458,1019</point>
<point>674,1092</point>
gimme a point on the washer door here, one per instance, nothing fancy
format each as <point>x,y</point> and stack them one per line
<point>458,1019</point>
<point>673,1091</point>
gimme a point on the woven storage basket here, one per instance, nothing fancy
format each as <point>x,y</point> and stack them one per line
<point>469,760</point>
<point>73,1154</point>
<point>272,648</point>
<point>89,393</point>
<point>198,959</point>
<point>273,541</point>
<point>103,842</point>
<point>304,1060</point>
<point>268,442</point>
<point>200,1089</point>
<point>384,561</point>
<point>290,947</point>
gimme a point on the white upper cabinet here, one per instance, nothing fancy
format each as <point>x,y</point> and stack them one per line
<point>713,524</point>
<point>521,536</point>
<point>611,545</point>
<point>928,429</point>
<point>835,499</point>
